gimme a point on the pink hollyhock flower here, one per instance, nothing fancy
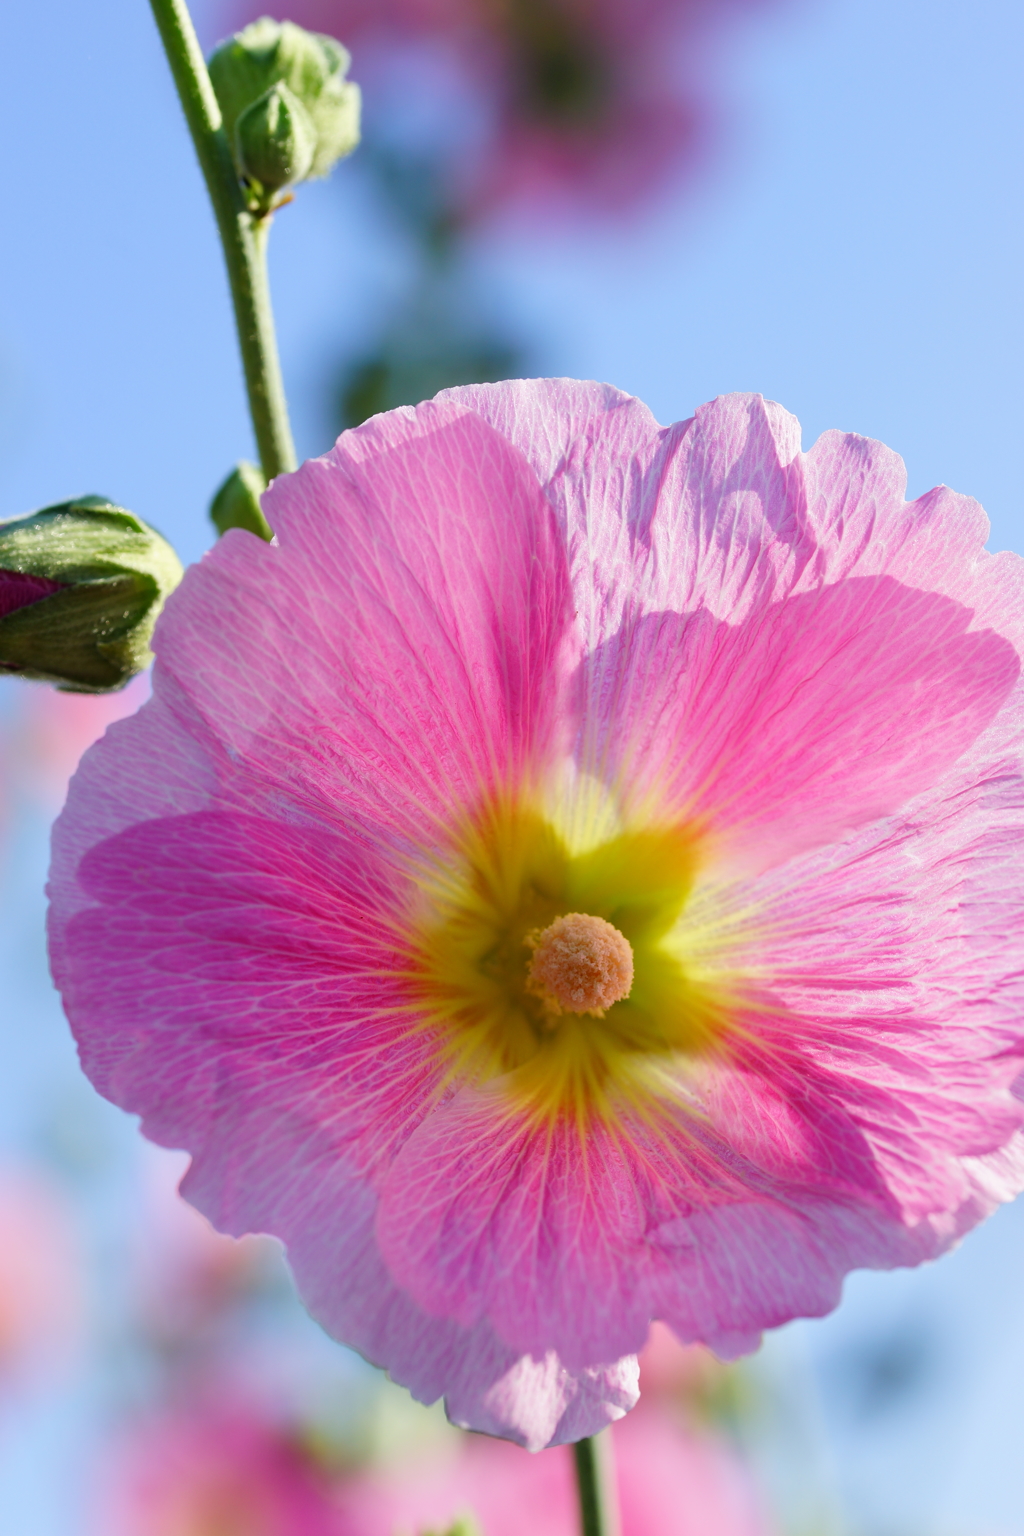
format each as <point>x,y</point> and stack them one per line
<point>519,655</point>
<point>597,99</point>
<point>187,1279</point>
<point>40,1277</point>
<point>52,729</point>
<point>675,1372</point>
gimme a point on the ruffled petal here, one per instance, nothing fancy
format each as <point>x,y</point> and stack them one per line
<point>325,1214</point>
<point>115,787</point>
<point>487,1217</point>
<point>773,643</point>
<point>821,712</point>
<point>233,966</point>
<point>394,653</point>
<point>602,460</point>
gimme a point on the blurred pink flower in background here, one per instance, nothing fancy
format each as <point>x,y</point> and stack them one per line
<point>212,1446</point>
<point>207,1471</point>
<point>674,1476</point>
<point>670,1483</point>
<point>43,734</point>
<point>199,1471</point>
<point>48,730</point>
<point>216,1466</point>
<point>594,101</point>
<point>41,1297</point>
<point>674,1372</point>
<point>186,1280</point>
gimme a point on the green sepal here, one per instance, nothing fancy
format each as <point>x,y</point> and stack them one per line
<point>92,636</point>
<point>237,502</point>
<point>275,142</point>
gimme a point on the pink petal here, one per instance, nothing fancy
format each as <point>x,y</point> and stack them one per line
<point>486,1216</point>
<point>307,1195</point>
<point>753,619</point>
<point>394,653</point>
<point>819,713</point>
<point>256,973</point>
<point>19,591</point>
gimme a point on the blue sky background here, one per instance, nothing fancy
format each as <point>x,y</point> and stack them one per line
<point>857,254</point>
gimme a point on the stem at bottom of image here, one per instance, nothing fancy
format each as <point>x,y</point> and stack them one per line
<point>595,1485</point>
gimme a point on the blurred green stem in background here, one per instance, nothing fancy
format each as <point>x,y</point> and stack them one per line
<point>595,1484</point>
<point>243,236</point>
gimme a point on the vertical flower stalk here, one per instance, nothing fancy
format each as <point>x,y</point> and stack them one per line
<point>242,236</point>
<point>595,1485</point>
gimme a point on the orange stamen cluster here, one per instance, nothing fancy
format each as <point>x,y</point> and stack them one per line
<point>580,964</point>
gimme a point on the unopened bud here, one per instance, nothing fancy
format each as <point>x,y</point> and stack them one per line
<point>275,140</point>
<point>312,68</point>
<point>81,586</point>
<point>237,503</point>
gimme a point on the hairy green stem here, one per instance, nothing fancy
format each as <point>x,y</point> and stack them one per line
<point>242,236</point>
<point>595,1484</point>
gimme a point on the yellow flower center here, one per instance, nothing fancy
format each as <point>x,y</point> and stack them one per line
<point>557,964</point>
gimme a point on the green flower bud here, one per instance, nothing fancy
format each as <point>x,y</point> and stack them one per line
<point>103,575</point>
<point>275,140</point>
<point>237,503</point>
<point>313,68</point>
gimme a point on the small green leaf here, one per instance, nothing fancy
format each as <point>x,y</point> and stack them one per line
<point>237,502</point>
<point>275,142</point>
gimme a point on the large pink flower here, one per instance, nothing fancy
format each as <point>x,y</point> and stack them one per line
<point>40,1278</point>
<point>522,654</point>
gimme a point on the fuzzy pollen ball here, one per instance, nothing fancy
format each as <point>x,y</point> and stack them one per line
<point>580,964</point>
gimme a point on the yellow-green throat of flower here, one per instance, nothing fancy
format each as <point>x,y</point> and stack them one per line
<point>554,962</point>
